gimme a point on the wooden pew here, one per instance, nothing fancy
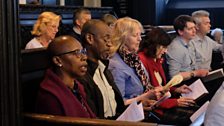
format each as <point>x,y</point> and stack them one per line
<point>32,119</point>
<point>34,62</point>
<point>33,65</point>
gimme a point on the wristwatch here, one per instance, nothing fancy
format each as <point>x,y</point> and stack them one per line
<point>192,74</point>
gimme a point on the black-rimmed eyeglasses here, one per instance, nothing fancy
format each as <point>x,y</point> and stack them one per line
<point>77,52</point>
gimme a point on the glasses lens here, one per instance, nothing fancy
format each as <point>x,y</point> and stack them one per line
<point>80,52</point>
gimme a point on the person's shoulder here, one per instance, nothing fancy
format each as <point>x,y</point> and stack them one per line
<point>75,35</point>
<point>195,39</point>
<point>116,62</point>
<point>211,40</point>
<point>175,46</point>
<point>175,43</point>
<point>33,43</point>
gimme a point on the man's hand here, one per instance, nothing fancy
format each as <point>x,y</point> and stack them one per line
<point>183,89</point>
<point>201,72</point>
<point>185,102</point>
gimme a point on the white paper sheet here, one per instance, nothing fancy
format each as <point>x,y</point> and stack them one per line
<point>197,88</point>
<point>133,113</point>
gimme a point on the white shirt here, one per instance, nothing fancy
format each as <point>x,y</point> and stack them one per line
<point>76,30</point>
<point>34,43</point>
<point>109,101</point>
<point>158,78</point>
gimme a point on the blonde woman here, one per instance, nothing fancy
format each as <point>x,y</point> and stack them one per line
<point>44,30</point>
<point>129,73</point>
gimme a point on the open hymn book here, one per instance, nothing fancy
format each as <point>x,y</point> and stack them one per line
<point>197,118</point>
<point>198,90</point>
<point>135,112</point>
<point>177,79</point>
<point>213,75</point>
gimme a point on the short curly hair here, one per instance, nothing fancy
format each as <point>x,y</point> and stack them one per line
<point>198,14</point>
<point>181,21</point>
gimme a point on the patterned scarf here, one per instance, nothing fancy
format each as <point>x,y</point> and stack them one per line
<point>132,60</point>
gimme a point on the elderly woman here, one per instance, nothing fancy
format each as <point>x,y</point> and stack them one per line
<point>44,30</point>
<point>60,93</point>
<point>217,34</point>
<point>128,72</point>
<point>151,50</point>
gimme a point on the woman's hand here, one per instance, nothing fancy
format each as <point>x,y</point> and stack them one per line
<point>183,89</point>
<point>155,93</point>
<point>185,102</point>
<point>147,104</point>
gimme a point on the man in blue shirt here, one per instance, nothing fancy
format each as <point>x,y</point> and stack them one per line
<point>202,43</point>
<point>180,55</point>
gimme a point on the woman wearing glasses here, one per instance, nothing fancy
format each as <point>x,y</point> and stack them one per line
<point>60,93</point>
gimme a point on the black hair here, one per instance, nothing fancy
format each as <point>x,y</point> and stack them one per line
<point>181,21</point>
<point>156,37</point>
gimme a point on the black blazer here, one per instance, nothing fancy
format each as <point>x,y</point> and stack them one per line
<point>94,96</point>
<point>75,35</point>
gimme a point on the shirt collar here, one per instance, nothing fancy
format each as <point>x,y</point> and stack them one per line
<point>198,39</point>
<point>76,30</point>
<point>92,66</point>
<point>182,41</point>
<point>101,65</point>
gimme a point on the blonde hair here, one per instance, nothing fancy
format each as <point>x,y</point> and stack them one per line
<point>43,19</point>
<point>197,15</point>
<point>122,28</point>
<point>109,19</point>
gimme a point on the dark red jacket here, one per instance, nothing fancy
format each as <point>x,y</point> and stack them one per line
<point>152,66</point>
<point>54,97</point>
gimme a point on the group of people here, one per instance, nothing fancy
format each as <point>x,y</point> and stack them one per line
<point>103,65</point>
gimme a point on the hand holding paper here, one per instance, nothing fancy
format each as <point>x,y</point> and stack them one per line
<point>198,90</point>
<point>183,89</point>
<point>133,113</point>
<point>164,97</point>
<point>177,79</point>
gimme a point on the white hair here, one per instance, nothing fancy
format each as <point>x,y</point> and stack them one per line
<point>217,30</point>
<point>198,14</point>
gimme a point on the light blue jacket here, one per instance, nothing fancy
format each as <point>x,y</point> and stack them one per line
<point>125,78</point>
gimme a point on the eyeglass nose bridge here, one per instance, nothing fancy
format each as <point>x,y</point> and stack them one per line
<point>83,53</point>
